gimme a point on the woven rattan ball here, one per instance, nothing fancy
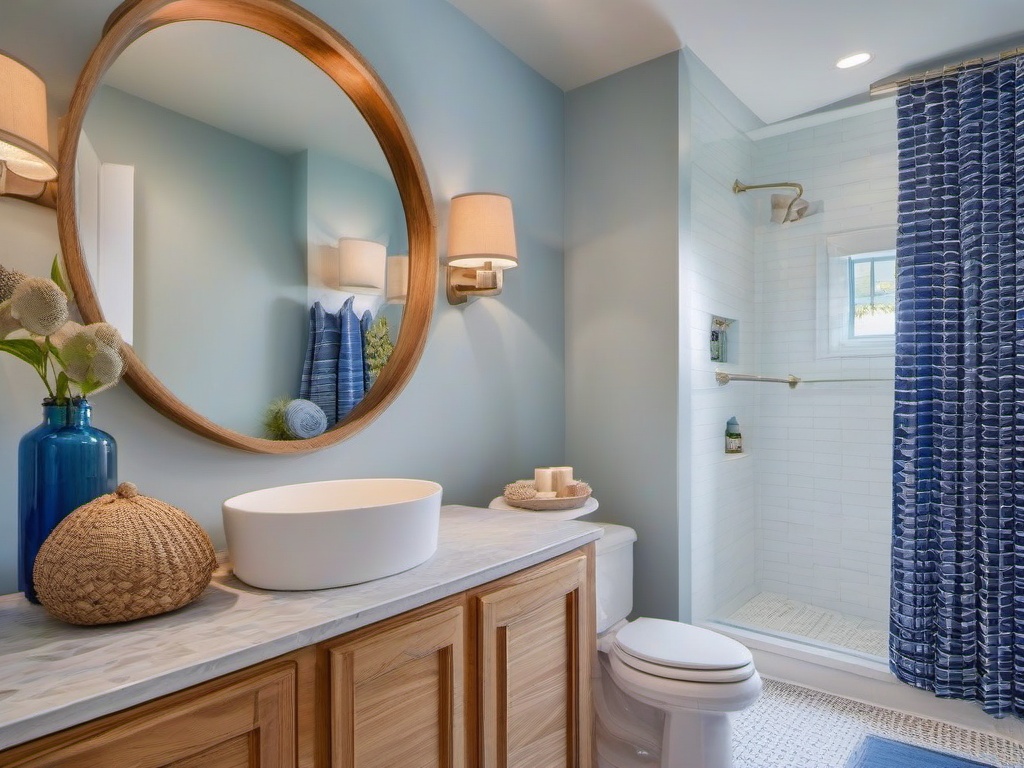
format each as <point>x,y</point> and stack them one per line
<point>120,557</point>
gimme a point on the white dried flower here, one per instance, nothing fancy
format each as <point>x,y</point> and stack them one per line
<point>70,328</point>
<point>39,305</point>
<point>77,352</point>
<point>108,334</point>
<point>9,280</point>
<point>106,366</point>
<point>88,359</point>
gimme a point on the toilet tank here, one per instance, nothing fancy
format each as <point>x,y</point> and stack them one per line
<point>614,574</point>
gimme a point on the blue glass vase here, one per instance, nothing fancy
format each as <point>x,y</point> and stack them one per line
<point>54,417</point>
<point>74,463</point>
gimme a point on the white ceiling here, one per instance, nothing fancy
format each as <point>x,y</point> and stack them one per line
<point>777,56</point>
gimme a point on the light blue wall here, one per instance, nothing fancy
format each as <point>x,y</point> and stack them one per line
<point>344,200</point>
<point>215,261</point>
<point>486,404</point>
<point>623,207</point>
<point>632,266</point>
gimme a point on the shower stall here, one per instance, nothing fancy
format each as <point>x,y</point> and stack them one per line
<point>791,537</point>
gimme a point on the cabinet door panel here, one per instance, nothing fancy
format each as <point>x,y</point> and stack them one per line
<point>535,636</point>
<point>246,720</point>
<point>397,694</point>
<point>233,753</point>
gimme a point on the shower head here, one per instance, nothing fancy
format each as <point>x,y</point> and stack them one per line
<point>784,208</point>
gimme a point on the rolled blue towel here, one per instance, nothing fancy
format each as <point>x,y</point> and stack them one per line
<point>305,419</point>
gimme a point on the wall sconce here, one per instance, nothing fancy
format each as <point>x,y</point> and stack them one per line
<point>398,280</point>
<point>361,266</point>
<point>26,165</point>
<point>481,245</point>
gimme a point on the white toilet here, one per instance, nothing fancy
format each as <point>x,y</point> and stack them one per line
<point>664,690</point>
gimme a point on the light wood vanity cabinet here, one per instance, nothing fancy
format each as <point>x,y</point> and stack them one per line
<point>243,720</point>
<point>497,677</point>
<point>398,692</point>
<point>536,645</point>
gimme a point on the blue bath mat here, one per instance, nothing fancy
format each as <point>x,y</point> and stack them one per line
<point>875,752</point>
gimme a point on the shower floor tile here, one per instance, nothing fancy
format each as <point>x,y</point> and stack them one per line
<point>795,727</point>
<point>776,613</point>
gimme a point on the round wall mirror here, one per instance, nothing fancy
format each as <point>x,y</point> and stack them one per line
<point>241,197</point>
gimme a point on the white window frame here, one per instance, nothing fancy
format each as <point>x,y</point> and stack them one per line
<point>834,326</point>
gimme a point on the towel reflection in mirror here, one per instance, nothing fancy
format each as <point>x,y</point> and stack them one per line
<point>334,375</point>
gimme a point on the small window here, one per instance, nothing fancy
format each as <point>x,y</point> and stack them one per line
<point>872,309</point>
<point>857,293</point>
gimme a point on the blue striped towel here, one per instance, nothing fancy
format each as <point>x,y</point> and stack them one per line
<point>320,370</point>
<point>350,360</point>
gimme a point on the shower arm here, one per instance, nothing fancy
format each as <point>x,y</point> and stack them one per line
<point>738,186</point>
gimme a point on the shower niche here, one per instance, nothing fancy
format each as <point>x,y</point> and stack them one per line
<point>718,338</point>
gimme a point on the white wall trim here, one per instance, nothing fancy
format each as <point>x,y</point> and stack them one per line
<point>820,118</point>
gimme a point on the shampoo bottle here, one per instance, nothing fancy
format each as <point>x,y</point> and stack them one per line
<point>733,438</point>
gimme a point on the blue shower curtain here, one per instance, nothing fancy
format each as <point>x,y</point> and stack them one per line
<point>957,611</point>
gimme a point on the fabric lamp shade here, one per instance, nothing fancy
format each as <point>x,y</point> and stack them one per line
<point>361,266</point>
<point>398,279</point>
<point>24,142</point>
<point>481,231</point>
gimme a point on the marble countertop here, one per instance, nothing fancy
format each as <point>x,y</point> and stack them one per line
<point>55,675</point>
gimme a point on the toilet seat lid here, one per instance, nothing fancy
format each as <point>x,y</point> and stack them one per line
<point>672,644</point>
<point>734,675</point>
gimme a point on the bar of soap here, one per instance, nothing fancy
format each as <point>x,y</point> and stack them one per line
<point>560,477</point>
<point>543,478</point>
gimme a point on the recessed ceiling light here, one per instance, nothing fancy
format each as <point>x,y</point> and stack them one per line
<point>854,60</point>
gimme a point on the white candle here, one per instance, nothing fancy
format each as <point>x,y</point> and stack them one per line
<point>560,478</point>
<point>543,479</point>
<point>546,494</point>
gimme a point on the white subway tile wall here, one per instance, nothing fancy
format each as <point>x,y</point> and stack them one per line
<point>805,512</point>
<point>822,451</point>
<point>724,564</point>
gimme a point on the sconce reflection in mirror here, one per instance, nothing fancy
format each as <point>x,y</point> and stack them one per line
<point>26,166</point>
<point>481,245</point>
<point>361,266</point>
<point>398,279</point>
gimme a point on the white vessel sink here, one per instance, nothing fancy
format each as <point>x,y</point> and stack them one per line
<point>331,533</point>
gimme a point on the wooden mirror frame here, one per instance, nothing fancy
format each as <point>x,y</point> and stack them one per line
<point>326,49</point>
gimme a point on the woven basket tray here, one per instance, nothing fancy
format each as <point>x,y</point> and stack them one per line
<point>548,505</point>
<point>120,557</point>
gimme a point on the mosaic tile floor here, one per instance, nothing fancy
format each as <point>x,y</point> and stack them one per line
<point>781,614</point>
<point>794,727</point>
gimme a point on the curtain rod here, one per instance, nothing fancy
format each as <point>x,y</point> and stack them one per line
<point>889,85</point>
